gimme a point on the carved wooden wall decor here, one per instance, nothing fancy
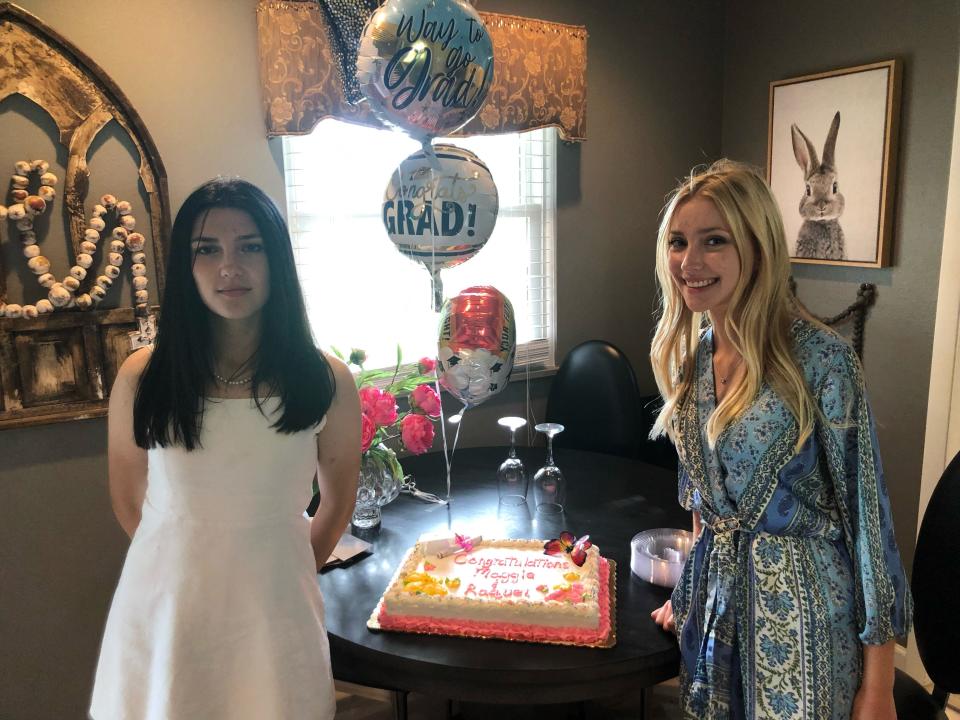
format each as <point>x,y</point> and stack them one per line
<point>60,366</point>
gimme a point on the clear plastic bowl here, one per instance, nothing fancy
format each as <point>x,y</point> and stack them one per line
<point>657,556</point>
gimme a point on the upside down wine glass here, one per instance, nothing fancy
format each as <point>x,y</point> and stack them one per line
<point>549,485</point>
<point>512,476</point>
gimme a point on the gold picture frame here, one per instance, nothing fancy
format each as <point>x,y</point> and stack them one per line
<point>831,162</point>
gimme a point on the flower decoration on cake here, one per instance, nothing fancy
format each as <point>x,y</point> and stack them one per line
<point>464,541</point>
<point>572,593</point>
<point>423,584</point>
<point>568,544</point>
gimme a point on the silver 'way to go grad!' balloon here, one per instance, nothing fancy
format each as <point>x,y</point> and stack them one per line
<point>425,66</point>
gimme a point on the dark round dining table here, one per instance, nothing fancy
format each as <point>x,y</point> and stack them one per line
<point>608,497</point>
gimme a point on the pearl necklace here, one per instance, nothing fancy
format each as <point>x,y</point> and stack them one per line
<point>223,381</point>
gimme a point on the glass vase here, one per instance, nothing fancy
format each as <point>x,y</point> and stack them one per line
<point>380,479</point>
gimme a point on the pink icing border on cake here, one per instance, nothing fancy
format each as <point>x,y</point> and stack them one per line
<point>510,631</point>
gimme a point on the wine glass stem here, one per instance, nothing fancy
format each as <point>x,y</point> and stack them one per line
<point>549,449</point>
<point>513,443</point>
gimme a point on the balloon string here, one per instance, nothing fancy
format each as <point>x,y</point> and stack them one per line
<point>436,286</point>
<point>453,450</point>
<point>443,430</point>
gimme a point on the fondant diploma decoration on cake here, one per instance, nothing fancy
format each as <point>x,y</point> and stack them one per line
<point>569,544</point>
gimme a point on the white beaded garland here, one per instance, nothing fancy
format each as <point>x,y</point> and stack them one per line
<point>34,205</point>
<point>38,265</point>
<point>27,206</point>
<point>59,296</point>
<point>135,242</point>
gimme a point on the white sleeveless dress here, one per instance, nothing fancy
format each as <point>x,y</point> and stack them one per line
<point>217,614</point>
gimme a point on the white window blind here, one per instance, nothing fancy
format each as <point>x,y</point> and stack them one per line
<point>362,293</point>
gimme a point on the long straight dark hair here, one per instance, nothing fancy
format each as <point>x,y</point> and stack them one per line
<point>169,405</point>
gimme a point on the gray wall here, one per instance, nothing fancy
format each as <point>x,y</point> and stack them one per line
<point>190,69</point>
<point>767,41</point>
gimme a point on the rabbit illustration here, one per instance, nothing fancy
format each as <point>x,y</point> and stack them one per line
<point>820,236</point>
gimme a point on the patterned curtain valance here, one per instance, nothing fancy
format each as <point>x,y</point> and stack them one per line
<point>539,76</point>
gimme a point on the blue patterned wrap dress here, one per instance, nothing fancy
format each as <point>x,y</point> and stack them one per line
<point>797,565</point>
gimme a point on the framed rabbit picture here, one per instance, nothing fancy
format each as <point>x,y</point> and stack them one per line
<point>831,162</point>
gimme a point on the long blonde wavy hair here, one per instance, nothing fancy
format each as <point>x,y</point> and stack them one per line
<point>759,314</point>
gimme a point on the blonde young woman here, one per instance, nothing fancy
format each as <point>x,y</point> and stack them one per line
<point>794,590</point>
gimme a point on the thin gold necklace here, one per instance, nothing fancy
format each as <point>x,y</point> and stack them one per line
<point>731,371</point>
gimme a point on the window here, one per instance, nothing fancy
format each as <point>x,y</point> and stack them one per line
<point>361,292</point>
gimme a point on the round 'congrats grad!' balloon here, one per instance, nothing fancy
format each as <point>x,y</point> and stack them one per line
<point>440,207</point>
<point>425,66</point>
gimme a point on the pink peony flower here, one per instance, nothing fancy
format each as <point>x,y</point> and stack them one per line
<point>379,406</point>
<point>426,399</point>
<point>426,365</point>
<point>368,431</point>
<point>416,431</point>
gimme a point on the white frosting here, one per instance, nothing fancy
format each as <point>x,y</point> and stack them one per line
<point>501,581</point>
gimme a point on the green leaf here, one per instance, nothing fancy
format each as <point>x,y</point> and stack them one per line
<point>336,352</point>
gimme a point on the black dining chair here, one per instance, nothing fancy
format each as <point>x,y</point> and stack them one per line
<point>936,591</point>
<point>594,395</point>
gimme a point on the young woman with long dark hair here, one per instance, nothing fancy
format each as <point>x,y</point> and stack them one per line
<point>215,436</point>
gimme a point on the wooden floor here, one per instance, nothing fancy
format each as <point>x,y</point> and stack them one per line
<point>661,700</point>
